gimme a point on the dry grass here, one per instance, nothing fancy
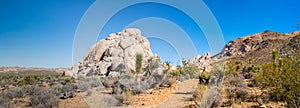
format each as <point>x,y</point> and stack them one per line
<point>199,93</point>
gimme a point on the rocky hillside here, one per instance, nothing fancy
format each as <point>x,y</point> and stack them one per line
<point>115,54</point>
<point>258,45</point>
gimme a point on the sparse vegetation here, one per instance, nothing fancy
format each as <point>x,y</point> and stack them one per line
<point>281,78</point>
<point>43,88</point>
<point>42,98</point>
<point>187,71</point>
<point>204,78</point>
<point>246,79</point>
<point>199,93</point>
<point>127,85</point>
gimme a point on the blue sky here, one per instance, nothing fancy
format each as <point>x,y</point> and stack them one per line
<point>40,33</point>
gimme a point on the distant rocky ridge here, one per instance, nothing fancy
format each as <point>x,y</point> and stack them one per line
<point>117,53</point>
<point>258,45</point>
<point>23,69</point>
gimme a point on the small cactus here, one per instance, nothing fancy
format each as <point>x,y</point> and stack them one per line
<point>274,54</point>
<point>280,62</point>
<point>138,62</point>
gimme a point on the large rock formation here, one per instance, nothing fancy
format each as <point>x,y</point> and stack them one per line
<point>117,53</point>
<point>202,62</point>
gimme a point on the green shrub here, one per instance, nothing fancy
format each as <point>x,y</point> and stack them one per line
<point>68,79</point>
<point>138,62</point>
<point>176,72</point>
<point>274,55</point>
<point>189,69</point>
<point>282,79</point>
<point>204,78</point>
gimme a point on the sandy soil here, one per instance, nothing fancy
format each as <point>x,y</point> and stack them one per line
<point>180,96</point>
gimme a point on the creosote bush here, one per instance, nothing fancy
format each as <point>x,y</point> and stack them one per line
<point>204,78</point>
<point>190,69</point>
<point>42,98</point>
<point>186,71</point>
<point>281,77</point>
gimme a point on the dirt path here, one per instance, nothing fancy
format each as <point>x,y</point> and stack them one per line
<point>102,99</point>
<point>181,95</point>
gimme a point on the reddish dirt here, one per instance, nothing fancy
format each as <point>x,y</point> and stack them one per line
<point>181,96</point>
<point>75,102</point>
<point>152,97</point>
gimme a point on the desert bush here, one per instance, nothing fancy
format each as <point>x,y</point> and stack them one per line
<point>18,92</point>
<point>6,102</point>
<point>177,72</point>
<point>56,89</point>
<point>282,79</point>
<point>190,69</point>
<point>14,93</point>
<point>212,98</point>
<point>108,82</point>
<point>126,84</point>
<point>42,98</point>
<point>233,67</point>
<point>169,82</point>
<point>83,85</point>
<point>67,91</point>
<point>94,82</point>
<point>199,93</point>
<point>68,79</point>
<point>235,89</point>
<point>187,71</point>
<point>204,78</point>
<point>153,67</point>
<point>218,101</point>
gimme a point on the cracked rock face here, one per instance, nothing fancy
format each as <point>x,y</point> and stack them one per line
<point>114,54</point>
<point>202,62</point>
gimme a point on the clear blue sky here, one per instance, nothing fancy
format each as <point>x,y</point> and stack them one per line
<point>39,33</point>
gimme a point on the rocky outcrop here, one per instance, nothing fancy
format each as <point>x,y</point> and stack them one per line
<point>253,43</point>
<point>202,62</point>
<point>117,53</point>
